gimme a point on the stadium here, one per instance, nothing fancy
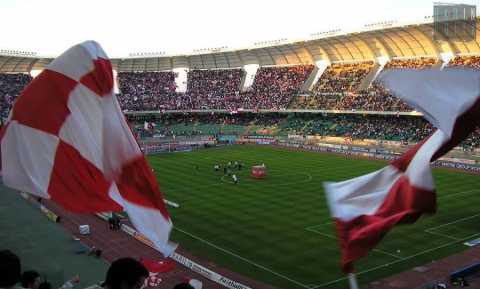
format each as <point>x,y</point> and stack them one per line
<point>241,142</point>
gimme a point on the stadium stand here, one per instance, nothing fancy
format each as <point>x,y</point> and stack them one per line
<point>465,61</point>
<point>375,98</point>
<point>274,87</point>
<point>336,89</point>
<point>10,87</point>
<point>147,90</point>
<point>417,63</point>
<point>404,129</point>
<point>342,77</point>
<point>214,89</point>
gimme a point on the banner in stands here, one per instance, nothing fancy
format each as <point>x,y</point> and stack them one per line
<point>227,138</point>
<point>459,160</point>
<point>381,154</point>
<point>205,272</point>
<point>296,137</point>
<point>258,139</point>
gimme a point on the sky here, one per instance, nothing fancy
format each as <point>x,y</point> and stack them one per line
<point>49,27</point>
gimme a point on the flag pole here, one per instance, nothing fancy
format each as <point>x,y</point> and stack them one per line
<point>353,281</point>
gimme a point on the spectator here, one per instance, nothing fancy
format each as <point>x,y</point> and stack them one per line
<point>30,279</point>
<point>67,285</point>
<point>124,273</point>
<point>11,85</point>
<point>10,269</point>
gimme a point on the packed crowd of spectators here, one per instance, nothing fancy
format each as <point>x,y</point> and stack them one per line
<point>342,77</point>
<point>334,92</point>
<point>213,89</point>
<point>10,87</point>
<point>274,87</point>
<point>465,61</point>
<point>362,127</point>
<point>147,91</point>
<point>353,126</point>
<point>404,129</point>
<point>417,63</point>
<point>375,98</point>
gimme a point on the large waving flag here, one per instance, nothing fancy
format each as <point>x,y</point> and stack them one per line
<point>66,139</point>
<point>367,207</point>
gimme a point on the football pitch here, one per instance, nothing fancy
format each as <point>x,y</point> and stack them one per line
<point>279,230</point>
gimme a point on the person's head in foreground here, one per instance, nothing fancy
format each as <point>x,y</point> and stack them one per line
<point>10,269</point>
<point>30,279</point>
<point>125,273</point>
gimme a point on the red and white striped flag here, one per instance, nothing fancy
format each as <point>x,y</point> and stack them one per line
<point>367,207</point>
<point>66,139</point>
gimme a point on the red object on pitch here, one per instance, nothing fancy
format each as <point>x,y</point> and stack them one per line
<point>158,266</point>
<point>259,172</point>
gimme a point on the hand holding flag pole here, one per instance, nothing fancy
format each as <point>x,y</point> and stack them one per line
<point>352,279</point>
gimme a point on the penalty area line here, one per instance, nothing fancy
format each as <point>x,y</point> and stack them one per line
<point>243,259</point>
<point>395,262</point>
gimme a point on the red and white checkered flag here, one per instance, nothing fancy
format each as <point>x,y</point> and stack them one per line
<point>367,207</point>
<point>66,139</point>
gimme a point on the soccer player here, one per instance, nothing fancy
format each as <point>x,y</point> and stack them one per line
<point>235,179</point>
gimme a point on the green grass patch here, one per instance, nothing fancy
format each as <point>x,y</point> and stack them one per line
<point>278,230</point>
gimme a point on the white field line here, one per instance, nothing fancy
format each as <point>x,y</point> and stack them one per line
<point>334,238</point>
<point>456,194</point>
<point>398,261</point>
<point>454,222</point>
<point>442,235</point>
<point>243,259</point>
<point>389,254</point>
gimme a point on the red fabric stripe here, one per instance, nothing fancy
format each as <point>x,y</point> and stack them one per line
<point>138,185</point>
<point>158,266</point>
<point>43,103</point>
<point>403,162</point>
<point>77,185</point>
<point>100,79</point>
<point>403,204</point>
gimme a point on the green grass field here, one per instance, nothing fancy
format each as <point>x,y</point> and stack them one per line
<point>279,230</point>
